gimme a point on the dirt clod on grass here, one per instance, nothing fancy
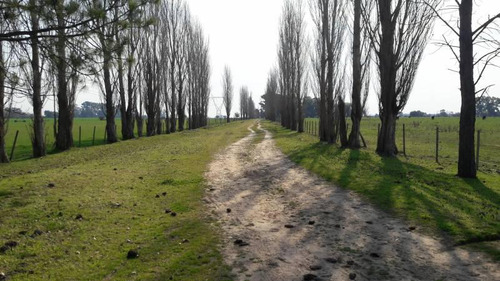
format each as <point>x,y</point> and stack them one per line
<point>269,191</point>
<point>132,254</point>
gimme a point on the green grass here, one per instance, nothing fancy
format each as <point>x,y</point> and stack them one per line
<point>23,148</point>
<point>91,182</point>
<point>421,139</point>
<point>421,191</point>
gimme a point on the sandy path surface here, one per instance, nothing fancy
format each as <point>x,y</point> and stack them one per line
<point>300,227</point>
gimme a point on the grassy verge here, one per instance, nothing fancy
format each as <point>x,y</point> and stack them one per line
<point>118,190</point>
<point>424,193</point>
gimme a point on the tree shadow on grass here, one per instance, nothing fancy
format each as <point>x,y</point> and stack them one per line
<point>467,210</point>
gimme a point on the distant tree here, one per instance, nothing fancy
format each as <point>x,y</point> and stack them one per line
<point>91,109</point>
<point>488,106</point>
<point>348,109</point>
<point>227,91</point>
<point>310,107</point>
<point>418,113</point>
<point>443,113</point>
<point>251,108</point>
<point>50,114</point>
<point>244,98</point>
<point>270,100</point>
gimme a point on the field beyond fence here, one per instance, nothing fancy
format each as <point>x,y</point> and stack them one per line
<point>23,149</point>
<point>422,134</point>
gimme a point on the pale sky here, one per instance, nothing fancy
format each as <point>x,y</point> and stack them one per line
<point>244,34</point>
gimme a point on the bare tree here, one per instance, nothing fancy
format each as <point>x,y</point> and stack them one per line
<point>398,36</point>
<point>128,68</point>
<point>175,26</point>
<point>3,123</point>
<point>227,89</point>
<point>271,97</point>
<point>292,64</point>
<point>151,67</point>
<point>330,26</point>
<point>244,99</point>
<point>360,70</point>
<point>198,77</point>
<point>105,45</point>
<point>478,48</point>
<point>33,79</point>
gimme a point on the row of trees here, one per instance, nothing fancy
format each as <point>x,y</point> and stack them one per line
<point>147,57</point>
<point>391,34</point>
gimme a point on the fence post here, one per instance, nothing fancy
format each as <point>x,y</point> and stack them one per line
<point>93,137</point>
<point>362,139</point>
<point>437,144</point>
<point>80,136</point>
<point>404,139</point>
<point>478,146</point>
<point>14,146</point>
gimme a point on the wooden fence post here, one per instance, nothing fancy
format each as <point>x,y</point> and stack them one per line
<point>478,146</point>
<point>437,145</point>
<point>93,137</point>
<point>80,136</point>
<point>404,139</point>
<point>14,146</point>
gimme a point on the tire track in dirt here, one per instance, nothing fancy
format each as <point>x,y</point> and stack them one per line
<point>331,233</point>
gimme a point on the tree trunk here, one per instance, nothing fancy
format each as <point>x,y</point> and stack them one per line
<point>180,107</point>
<point>126,119</point>
<point>110,108</point>
<point>159,126</point>
<point>3,152</point>
<point>140,125</point>
<point>64,139</point>
<point>173,104</point>
<point>466,155</point>
<point>386,142</point>
<point>342,123</point>
<point>38,138</point>
<point>300,118</point>
<point>356,110</point>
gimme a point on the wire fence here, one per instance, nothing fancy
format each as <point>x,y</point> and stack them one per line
<point>433,140</point>
<point>86,132</point>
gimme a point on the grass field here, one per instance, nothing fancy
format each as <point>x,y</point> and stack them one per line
<point>415,188</point>
<point>23,148</point>
<point>119,192</point>
<point>421,139</point>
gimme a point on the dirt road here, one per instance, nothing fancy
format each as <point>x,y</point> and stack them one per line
<point>281,222</point>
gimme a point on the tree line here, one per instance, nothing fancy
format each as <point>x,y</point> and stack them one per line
<point>353,39</point>
<point>148,58</point>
